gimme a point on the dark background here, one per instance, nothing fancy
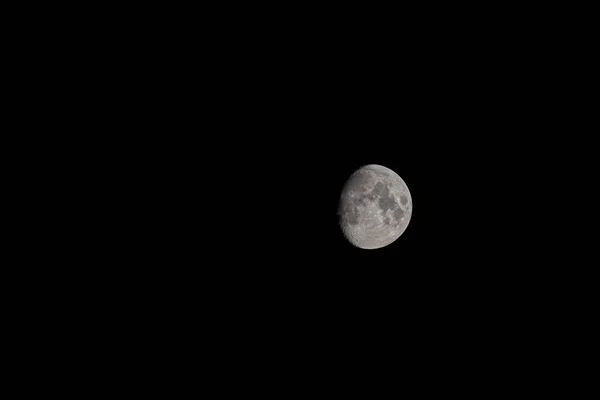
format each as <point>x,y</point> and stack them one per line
<point>251,167</point>
<point>227,147</point>
<point>253,138</point>
<point>178,211</point>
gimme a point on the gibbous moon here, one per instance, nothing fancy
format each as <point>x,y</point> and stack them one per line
<point>375,207</point>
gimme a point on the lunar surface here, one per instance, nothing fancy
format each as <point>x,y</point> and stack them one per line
<point>375,207</point>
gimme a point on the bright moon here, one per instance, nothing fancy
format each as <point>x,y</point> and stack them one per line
<point>375,207</point>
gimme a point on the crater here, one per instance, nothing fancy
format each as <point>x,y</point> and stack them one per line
<point>386,220</point>
<point>403,200</point>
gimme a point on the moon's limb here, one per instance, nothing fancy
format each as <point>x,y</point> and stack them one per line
<point>375,207</point>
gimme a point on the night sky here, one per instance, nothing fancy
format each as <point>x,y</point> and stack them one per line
<point>231,223</point>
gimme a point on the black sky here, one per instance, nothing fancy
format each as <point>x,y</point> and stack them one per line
<point>252,152</point>
<point>246,143</point>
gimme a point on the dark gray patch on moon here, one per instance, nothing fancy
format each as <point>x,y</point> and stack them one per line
<point>398,214</point>
<point>386,220</point>
<point>360,201</point>
<point>387,203</point>
<point>403,200</point>
<point>380,189</point>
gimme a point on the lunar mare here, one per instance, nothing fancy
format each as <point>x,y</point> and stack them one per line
<point>375,207</point>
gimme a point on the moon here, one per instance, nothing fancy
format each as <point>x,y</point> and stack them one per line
<point>375,207</point>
